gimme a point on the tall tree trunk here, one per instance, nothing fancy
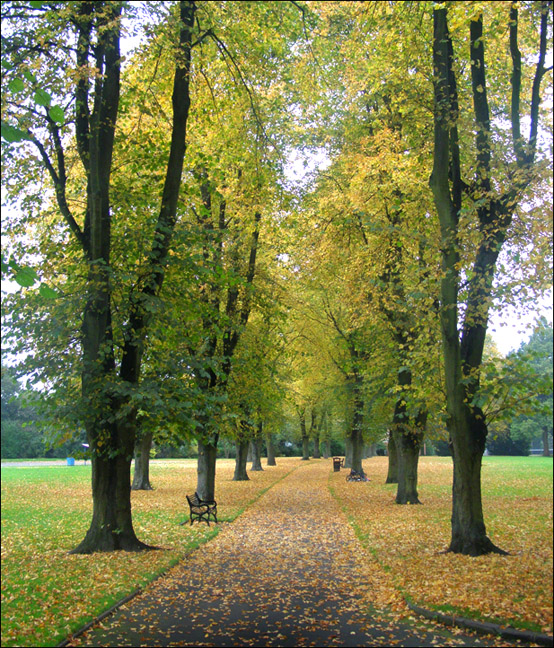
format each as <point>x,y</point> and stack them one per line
<point>408,444</point>
<point>317,453</point>
<point>270,450</point>
<point>326,439</point>
<point>348,450</point>
<point>408,435</point>
<point>207,455</point>
<point>493,209</point>
<point>304,435</point>
<point>111,527</point>
<point>305,447</point>
<point>112,444</point>
<point>141,476</point>
<point>392,475</point>
<point>356,433</point>
<point>256,445</point>
<point>545,443</point>
<point>240,461</point>
<point>370,450</point>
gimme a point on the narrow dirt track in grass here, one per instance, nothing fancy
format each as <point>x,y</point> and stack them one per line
<point>288,572</point>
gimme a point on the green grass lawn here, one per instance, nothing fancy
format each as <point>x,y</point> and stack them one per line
<point>46,510</point>
<point>409,541</point>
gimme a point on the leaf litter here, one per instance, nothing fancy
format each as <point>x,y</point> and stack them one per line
<point>291,572</point>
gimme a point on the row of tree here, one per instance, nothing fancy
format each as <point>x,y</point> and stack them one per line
<point>187,289</point>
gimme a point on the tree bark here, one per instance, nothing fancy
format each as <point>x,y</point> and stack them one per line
<point>326,439</point>
<point>305,447</point>
<point>256,446</point>
<point>141,477</point>
<point>304,435</point>
<point>356,432</point>
<point>111,444</point>
<point>408,433</point>
<point>111,527</point>
<point>370,450</point>
<point>408,442</point>
<point>207,455</point>
<point>348,450</point>
<point>545,443</point>
<point>270,450</point>
<point>317,452</point>
<point>241,460</point>
<point>314,432</point>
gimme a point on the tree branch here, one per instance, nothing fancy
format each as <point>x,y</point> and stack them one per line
<point>59,188</point>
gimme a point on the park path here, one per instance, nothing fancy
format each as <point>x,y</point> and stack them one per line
<point>288,572</point>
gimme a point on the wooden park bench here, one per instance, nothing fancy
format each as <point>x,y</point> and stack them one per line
<point>338,463</point>
<point>201,509</point>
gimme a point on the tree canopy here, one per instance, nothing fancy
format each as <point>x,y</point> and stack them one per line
<point>177,283</point>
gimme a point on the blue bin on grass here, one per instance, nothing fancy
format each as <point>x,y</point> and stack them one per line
<point>70,461</point>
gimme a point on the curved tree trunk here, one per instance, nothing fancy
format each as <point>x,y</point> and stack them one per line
<point>141,476</point>
<point>240,461</point>
<point>270,450</point>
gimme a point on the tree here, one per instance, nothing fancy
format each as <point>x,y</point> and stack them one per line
<point>20,434</point>
<point>535,420</point>
<point>490,200</point>
<point>108,406</point>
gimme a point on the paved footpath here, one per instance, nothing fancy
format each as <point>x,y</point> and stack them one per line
<point>288,572</point>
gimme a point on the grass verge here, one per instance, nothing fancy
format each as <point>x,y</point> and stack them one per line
<point>48,594</point>
<point>408,541</point>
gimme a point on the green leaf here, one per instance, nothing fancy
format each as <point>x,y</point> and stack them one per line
<point>29,76</point>
<point>26,277</point>
<point>16,85</point>
<point>47,292</point>
<point>12,134</point>
<point>42,98</point>
<point>57,114</point>
<point>37,4</point>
